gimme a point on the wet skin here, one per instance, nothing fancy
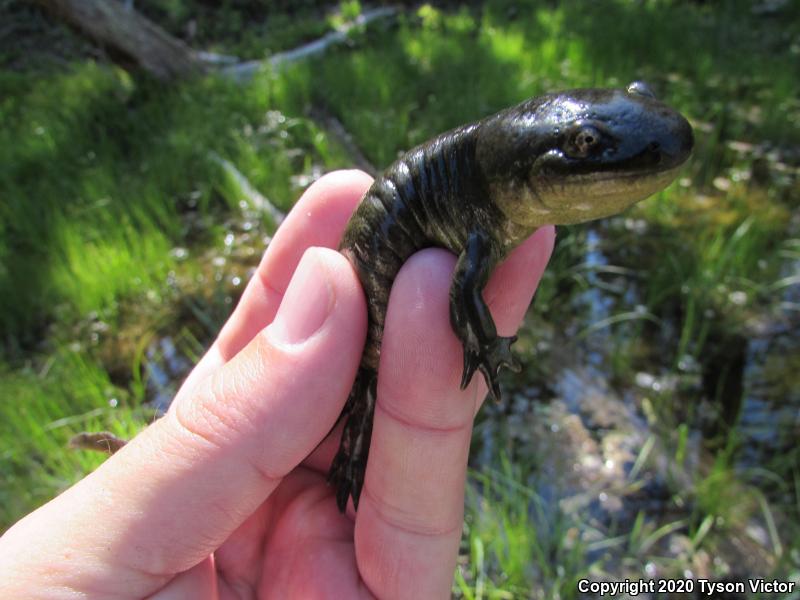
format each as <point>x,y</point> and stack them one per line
<point>479,191</point>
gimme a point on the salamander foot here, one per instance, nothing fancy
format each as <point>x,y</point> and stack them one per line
<point>350,464</point>
<point>488,357</point>
<point>347,477</point>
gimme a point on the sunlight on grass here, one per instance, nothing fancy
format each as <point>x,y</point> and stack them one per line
<point>101,183</point>
<point>94,273</point>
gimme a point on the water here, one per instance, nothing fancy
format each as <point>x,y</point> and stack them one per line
<point>604,442</point>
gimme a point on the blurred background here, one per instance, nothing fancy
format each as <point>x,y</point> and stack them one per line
<point>148,148</point>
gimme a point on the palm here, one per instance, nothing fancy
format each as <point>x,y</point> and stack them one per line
<point>296,545</point>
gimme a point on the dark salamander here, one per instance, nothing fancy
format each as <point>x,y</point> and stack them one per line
<point>479,191</point>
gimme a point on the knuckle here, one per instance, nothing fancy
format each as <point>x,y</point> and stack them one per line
<point>208,415</point>
<point>409,521</point>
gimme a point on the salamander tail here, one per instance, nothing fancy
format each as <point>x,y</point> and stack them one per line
<point>350,464</point>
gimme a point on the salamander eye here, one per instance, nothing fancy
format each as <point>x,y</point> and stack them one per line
<point>582,142</point>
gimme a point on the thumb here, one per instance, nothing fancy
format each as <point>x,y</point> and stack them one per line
<point>172,495</point>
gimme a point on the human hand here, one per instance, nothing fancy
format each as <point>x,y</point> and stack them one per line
<point>225,496</point>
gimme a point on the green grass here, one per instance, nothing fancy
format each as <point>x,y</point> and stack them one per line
<point>103,178</point>
<point>102,175</point>
<point>112,210</point>
<point>517,544</point>
<point>41,410</point>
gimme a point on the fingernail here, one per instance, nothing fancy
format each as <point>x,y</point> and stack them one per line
<point>306,303</point>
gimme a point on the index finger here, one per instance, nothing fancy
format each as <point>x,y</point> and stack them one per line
<point>317,219</point>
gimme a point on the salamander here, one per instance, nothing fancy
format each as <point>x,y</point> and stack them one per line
<point>478,191</point>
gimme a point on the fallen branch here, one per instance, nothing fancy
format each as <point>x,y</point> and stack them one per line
<point>215,60</point>
<point>255,200</point>
<point>117,26</point>
<point>245,70</point>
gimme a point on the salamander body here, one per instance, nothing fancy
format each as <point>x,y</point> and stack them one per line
<point>481,189</point>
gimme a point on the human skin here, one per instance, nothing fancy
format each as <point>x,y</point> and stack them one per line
<point>226,495</point>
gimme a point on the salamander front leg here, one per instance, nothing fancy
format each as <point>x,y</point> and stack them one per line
<point>472,322</point>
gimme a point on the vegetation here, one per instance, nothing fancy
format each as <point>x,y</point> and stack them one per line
<point>119,230</point>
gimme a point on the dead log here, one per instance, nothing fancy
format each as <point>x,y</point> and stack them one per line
<point>128,34</point>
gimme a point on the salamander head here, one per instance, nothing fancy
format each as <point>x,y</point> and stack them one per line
<point>581,154</point>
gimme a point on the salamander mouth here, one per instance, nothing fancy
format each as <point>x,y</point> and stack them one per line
<point>626,178</point>
<point>624,175</point>
<point>587,196</point>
